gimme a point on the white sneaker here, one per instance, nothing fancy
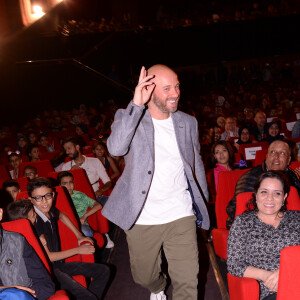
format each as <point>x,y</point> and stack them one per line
<point>160,296</point>
<point>110,243</point>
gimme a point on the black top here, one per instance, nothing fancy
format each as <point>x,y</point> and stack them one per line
<point>49,229</point>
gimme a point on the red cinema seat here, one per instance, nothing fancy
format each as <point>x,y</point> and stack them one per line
<point>245,149</point>
<point>237,157</point>
<point>82,184</point>
<point>4,174</point>
<point>241,288</point>
<point>23,227</point>
<point>293,201</point>
<point>67,238</point>
<point>225,192</point>
<point>294,165</point>
<point>22,181</point>
<point>43,167</point>
<point>48,155</point>
<point>260,157</point>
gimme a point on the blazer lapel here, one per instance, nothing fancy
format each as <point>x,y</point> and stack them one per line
<point>147,124</point>
<point>180,130</point>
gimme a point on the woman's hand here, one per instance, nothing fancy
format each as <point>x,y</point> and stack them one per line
<point>271,281</point>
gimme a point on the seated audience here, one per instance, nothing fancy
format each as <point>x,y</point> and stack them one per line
<point>45,145</point>
<point>278,159</point>
<point>30,172</point>
<point>259,128</point>
<point>27,273</point>
<point>296,130</point>
<point>244,137</point>
<point>21,209</point>
<point>93,167</point>
<point>12,187</point>
<point>273,132</point>
<point>42,196</point>
<point>231,130</point>
<point>223,159</point>
<point>33,139</point>
<point>100,151</point>
<point>257,236</point>
<point>14,160</point>
<point>33,153</point>
<point>80,200</point>
<point>22,144</point>
<point>221,123</point>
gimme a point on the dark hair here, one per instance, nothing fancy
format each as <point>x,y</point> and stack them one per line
<point>279,175</point>
<point>28,152</point>
<point>31,168</point>
<point>230,150</point>
<point>19,209</point>
<point>276,121</point>
<point>72,140</point>
<point>99,143</point>
<point>37,183</point>
<point>14,154</point>
<point>10,183</point>
<point>63,174</point>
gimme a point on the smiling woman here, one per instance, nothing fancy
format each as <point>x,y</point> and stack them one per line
<point>257,236</point>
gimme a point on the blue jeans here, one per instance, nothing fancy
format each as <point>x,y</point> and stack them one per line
<point>99,272</point>
<point>87,230</point>
<point>102,200</point>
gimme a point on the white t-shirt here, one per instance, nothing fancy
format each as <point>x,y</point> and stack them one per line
<point>168,198</point>
<point>94,170</point>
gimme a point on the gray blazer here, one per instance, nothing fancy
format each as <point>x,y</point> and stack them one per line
<point>132,136</point>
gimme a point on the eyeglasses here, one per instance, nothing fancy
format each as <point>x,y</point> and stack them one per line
<point>29,174</point>
<point>48,196</point>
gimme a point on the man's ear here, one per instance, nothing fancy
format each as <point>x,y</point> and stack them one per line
<point>1,213</point>
<point>77,147</point>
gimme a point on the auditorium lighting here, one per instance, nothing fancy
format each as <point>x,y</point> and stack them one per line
<point>37,11</point>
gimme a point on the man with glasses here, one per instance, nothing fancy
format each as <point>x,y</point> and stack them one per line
<point>42,195</point>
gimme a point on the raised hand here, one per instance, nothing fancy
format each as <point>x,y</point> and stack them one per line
<point>144,88</point>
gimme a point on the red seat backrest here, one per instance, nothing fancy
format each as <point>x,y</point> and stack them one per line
<point>225,192</point>
<point>43,167</point>
<point>4,175</point>
<point>293,201</point>
<point>48,155</point>
<point>23,227</point>
<point>260,157</point>
<point>81,181</point>
<point>263,145</point>
<point>289,274</point>
<point>295,164</point>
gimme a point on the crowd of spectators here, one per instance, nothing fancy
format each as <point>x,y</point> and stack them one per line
<point>179,14</point>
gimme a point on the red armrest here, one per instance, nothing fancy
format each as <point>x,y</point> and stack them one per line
<point>220,236</point>
<point>59,295</point>
<point>242,288</point>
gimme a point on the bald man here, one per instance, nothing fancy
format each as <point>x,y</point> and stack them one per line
<point>163,185</point>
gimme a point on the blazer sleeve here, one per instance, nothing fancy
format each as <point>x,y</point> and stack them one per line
<point>123,129</point>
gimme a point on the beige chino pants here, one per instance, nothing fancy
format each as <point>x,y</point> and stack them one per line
<point>179,241</point>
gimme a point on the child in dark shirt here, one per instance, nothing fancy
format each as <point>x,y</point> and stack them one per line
<point>42,195</point>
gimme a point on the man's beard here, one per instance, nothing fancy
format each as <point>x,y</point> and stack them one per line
<point>162,104</point>
<point>75,155</point>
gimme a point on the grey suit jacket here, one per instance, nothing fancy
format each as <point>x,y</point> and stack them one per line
<point>133,136</point>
